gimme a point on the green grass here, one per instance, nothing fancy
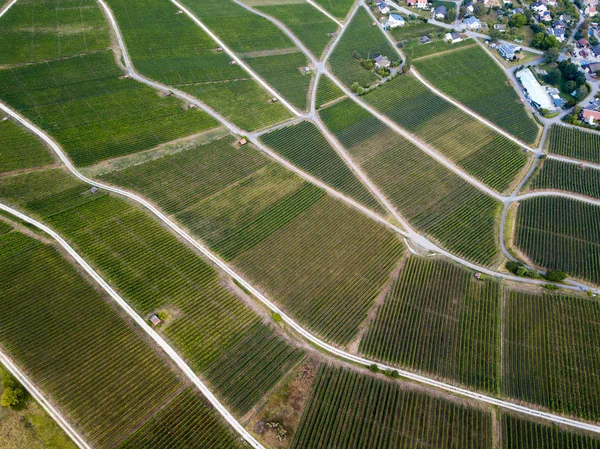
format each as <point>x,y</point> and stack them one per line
<point>360,411</point>
<point>560,233</point>
<point>573,143</point>
<point>219,336</point>
<point>327,91</point>
<point>552,352</point>
<point>84,103</point>
<point>557,175</point>
<point>305,146</point>
<point>282,72</point>
<point>169,47</point>
<point>521,433</point>
<point>41,30</point>
<point>67,337</point>
<point>490,92</point>
<point>19,149</point>
<point>432,198</point>
<point>310,25</point>
<point>321,260</point>
<point>368,40</point>
<point>489,156</point>
<point>456,333</point>
<point>337,8</point>
<point>416,29</point>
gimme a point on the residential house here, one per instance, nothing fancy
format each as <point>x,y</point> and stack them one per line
<point>382,7</point>
<point>519,11</point>
<point>559,33</point>
<point>583,43</point>
<point>470,9</point>
<point>556,98</point>
<point>411,3</point>
<point>508,51</point>
<point>552,3</point>
<point>500,27</point>
<point>472,23</point>
<point>440,12</point>
<point>590,11</point>
<point>545,17</point>
<point>589,116</point>
<point>539,7</point>
<point>381,62</point>
<point>565,18</point>
<point>452,38</point>
<point>596,50</point>
<point>394,21</point>
<point>559,24</point>
<point>425,39</point>
<point>592,68</point>
<point>419,4</point>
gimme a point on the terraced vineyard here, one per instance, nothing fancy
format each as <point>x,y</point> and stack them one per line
<point>360,411</point>
<point>560,233</point>
<point>93,112</point>
<point>36,30</point>
<point>365,39</point>
<point>219,336</point>
<point>551,349</point>
<point>432,198</point>
<point>490,93</point>
<point>260,43</point>
<point>440,320</point>
<point>169,47</point>
<point>99,370</point>
<point>327,91</point>
<point>19,149</point>
<point>489,157</point>
<point>305,146</point>
<point>308,23</point>
<point>320,259</point>
<point>557,175</point>
<point>573,143</point>
<point>520,433</point>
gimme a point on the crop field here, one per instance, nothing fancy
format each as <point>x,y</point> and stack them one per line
<point>169,47</point>
<point>337,8</point>
<point>557,175</point>
<point>489,157</point>
<point>490,92</point>
<point>560,233</point>
<point>320,259</point>
<point>93,112</point>
<point>305,146</point>
<point>39,30</point>
<point>359,411</point>
<point>155,272</point>
<point>439,319</point>
<point>283,73</point>
<point>521,433</point>
<point>414,30</point>
<point>19,149</point>
<point>418,50</point>
<point>327,91</point>
<point>573,143</point>
<point>365,38</point>
<point>188,421</point>
<point>431,197</point>
<point>309,24</point>
<point>76,346</point>
<point>551,351</point>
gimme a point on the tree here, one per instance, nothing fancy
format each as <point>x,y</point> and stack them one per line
<point>579,79</point>
<point>450,15</point>
<point>553,77</point>
<point>580,93</point>
<point>555,275</point>
<point>551,55</point>
<point>570,86</point>
<point>517,20</point>
<point>538,40</point>
<point>354,86</point>
<point>11,397</point>
<point>360,90</point>
<point>495,35</point>
<point>551,42</point>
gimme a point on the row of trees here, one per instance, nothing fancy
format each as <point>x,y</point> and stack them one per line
<point>13,392</point>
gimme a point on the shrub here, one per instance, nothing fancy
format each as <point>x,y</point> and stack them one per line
<point>276,317</point>
<point>395,374</point>
<point>555,275</point>
<point>11,397</point>
<point>374,368</point>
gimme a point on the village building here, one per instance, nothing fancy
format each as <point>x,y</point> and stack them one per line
<point>425,39</point>
<point>508,51</point>
<point>382,7</point>
<point>472,23</point>
<point>381,62</point>
<point>155,320</point>
<point>452,37</point>
<point>394,21</point>
<point>500,27</point>
<point>440,12</point>
<point>589,116</point>
<point>537,95</point>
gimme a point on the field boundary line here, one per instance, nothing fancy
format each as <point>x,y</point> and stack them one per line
<point>234,56</point>
<point>439,53</point>
<point>288,320</point>
<point>324,11</point>
<point>7,7</point>
<point>142,324</point>
<point>41,399</point>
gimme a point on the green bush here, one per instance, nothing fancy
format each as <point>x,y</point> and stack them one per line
<point>11,397</point>
<point>555,275</point>
<point>374,368</point>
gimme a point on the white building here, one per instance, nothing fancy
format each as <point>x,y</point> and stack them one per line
<point>535,92</point>
<point>394,21</point>
<point>452,38</point>
<point>472,23</point>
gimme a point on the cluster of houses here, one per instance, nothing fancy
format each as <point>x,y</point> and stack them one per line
<point>590,7</point>
<point>590,114</point>
<point>393,20</point>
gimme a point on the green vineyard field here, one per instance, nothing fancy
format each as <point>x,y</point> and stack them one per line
<point>155,272</point>
<point>431,197</point>
<point>560,233</point>
<point>551,352</point>
<point>359,412</point>
<point>438,319</point>
<point>489,156</point>
<point>305,146</point>
<point>19,149</point>
<point>573,143</point>
<point>338,8</point>
<point>327,91</point>
<point>557,175</point>
<point>489,93</point>
<point>418,50</point>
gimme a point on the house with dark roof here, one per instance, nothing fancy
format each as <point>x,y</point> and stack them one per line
<point>440,12</point>
<point>381,62</point>
<point>596,50</point>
